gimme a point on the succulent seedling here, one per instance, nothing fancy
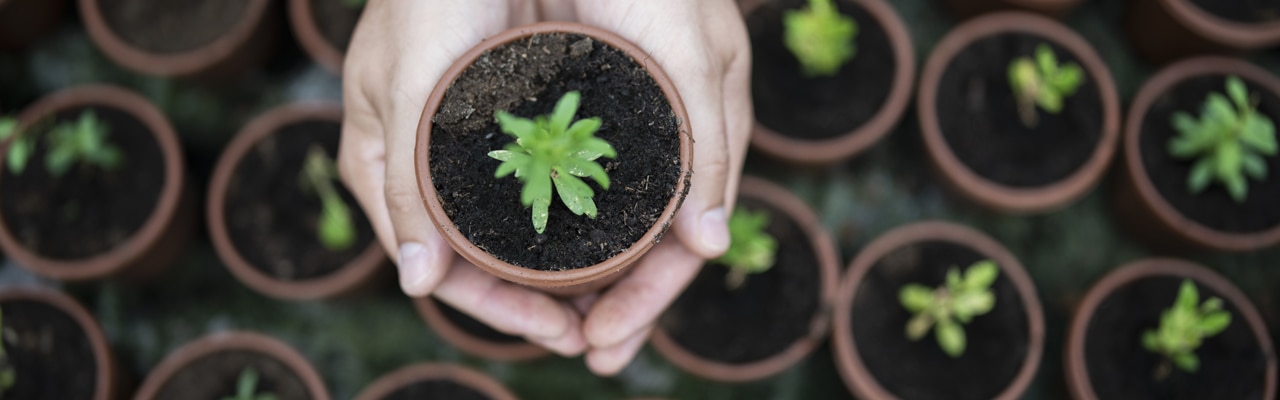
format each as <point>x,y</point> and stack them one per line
<point>751,249</point>
<point>21,148</point>
<point>948,307</point>
<point>549,150</point>
<point>1183,327</point>
<point>1228,142</point>
<point>8,376</point>
<point>335,228</point>
<point>820,37</point>
<point>1042,82</point>
<point>247,387</point>
<point>83,141</point>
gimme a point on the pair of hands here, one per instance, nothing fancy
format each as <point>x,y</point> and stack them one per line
<point>401,49</point>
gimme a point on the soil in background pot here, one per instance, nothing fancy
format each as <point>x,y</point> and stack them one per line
<point>168,27</point>
<point>472,326</point>
<point>1243,11</point>
<point>51,356</point>
<point>336,21</point>
<point>436,389</point>
<point>214,377</point>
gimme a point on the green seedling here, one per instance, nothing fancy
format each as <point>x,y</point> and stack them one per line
<point>8,376</point>
<point>751,249</point>
<point>1042,82</point>
<point>83,141</point>
<point>353,4</point>
<point>21,148</point>
<point>247,387</point>
<point>548,150</point>
<point>949,306</point>
<point>1228,142</point>
<point>335,228</point>
<point>1183,327</point>
<point>820,37</point>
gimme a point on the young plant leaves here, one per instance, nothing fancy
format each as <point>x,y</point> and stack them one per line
<point>335,229</point>
<point>751,249</point>
<point>1042,82</point>
<point>945,309</point>
<point>1183,327</point>
<point>820,37</point>
<point>1227,143</point>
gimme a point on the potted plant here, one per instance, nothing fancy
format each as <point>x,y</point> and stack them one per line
<point>1018,112</point>
<point>24,21</point>
<point>472,336</point>
<point>936,277</point>
<point>224,365</point>
<point>52,348</point>
<point>205,39</point>
<point>1165,195</point>
<point>324,28</point>
<point>435,381</point>
<point>278,215</point>
<point>1163,328</point>
<point>562,221</point>
<point>825,114</point>
<point>1166,30</point>
<point>761,307</point>
<point>101,143</point>
<point>965,9</point>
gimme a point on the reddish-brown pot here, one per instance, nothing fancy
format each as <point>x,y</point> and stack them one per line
<point>302,19</point>
<point>1137,203</point>
<point>161,239</point>
<point>971,8</point>
<point>984,191</point>
<point>245,45</point>
<point>409,375</point>
<point>237,341</point>
<point>1166,30</point>
<point>24,21</point>
<point>1076,370</point>
<point>472,344</point>
<point>353,276</point>
<point>568,282</point>
<point>853,370</point>
<point>797,211</point>
<point>106,385</point>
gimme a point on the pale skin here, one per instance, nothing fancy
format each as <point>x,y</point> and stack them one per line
<point>402,48</point>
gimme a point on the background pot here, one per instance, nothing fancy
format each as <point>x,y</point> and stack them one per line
<point>965,9</point>
<point>303,20</point>
<point>106,384</point>
<point>402,377</point>
<point>473,344</point>
<point>232,341</point>
<point>24,21</point>
<point>1166,30</point>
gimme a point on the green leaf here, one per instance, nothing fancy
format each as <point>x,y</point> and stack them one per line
<point>1188,297</point>
<point>587,169</point>
<point>59,160</point>
<point>1046,61</point>
<point>574,193</point>
<point>20,151</point>
<point>1068,79</point>
<point>1200,176</point>
<point>1187,362</point>
<point>950,338</point>
<point>1258,133</point>
<point>1050,101</point>
<point>1213,323</point>
<point>980,275</point>
<point>8,126</point>
<point>537,184</point>
<point>563,113</point>
<point>1254,166</point>
<point>820,37</point>
<point>915,298</point>
<point>1236,90</point>
<point>522,129</point>
<point>336,230</point>
<point>971,305</point>
<point>584,128</point>
<point>1236,186</point>
<point>593,148</point>
<point>541,207</point>
<point>1219,109</point>
<point>918,326</point>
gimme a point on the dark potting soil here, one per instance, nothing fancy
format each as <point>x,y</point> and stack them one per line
<point>996,342</point>
<point>214,377</point>
<point>436,389</point>
<point>1213,207</point>
<point>49,352</point>
<point>336,21</point>
<point>89,210</point>
<point>167,27</point>
<point>815,108</point>
<point>978,113</point>
<point>1246,11</point>
<point>272,221</point>
<point>527,77</point>
<point>763,317</point>
<point>472,326</point>
<point>1232,366</point>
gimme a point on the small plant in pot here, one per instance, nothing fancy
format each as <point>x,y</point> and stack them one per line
<point>947,308</point>
<point>233,366</point>
<point>435,381</point>
<point>52,348</point>
<point>1167,30</point>
<point>324,28</point>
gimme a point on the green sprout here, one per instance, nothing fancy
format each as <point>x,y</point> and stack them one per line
<point>947,307</point>
<point>548,150</point>
<point>1227,142</point>
<point>247,386</point>
<point>335,228</point>
<point>1042,82</point>
<point>8,376</point>
<point>353,4</point>
<point>820,37</point>
<point>751,249</point>
<point>21,148</point>
<point>82,141</point>
<point>1183,327</point>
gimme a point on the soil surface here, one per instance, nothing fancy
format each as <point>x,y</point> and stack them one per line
<point>50,355</point>
<point>1231,364</point>
<point>763,317</point>
<point>272,221</point>
<point>436,389</point>
<point>1213,207</point>
<point>996,342</point>
<point>527,77</point>
<point>87,211</point>
<point>214,377</point>
<point>815,108</point>
<point>1246,11</point>
<point>167,27</point>
<point>472,326</point>
<point>336,21</point>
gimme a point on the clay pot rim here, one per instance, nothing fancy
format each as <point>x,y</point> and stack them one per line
<point>186,63</point>
<point>823,247</point>
<point>849,144</point>
<point>989,193</point>
<point>852,370</point>
<point>104,386</point>
<point>1157,85</point>
<point>302,20</point>
<point>345,279</point>
<point>1077,375</point>
<point>456,336</point>
<point>1234,34</point>
<point>217,342</point>
<point>528,276</point>
<point>115,260</point>
<point>460,374</point>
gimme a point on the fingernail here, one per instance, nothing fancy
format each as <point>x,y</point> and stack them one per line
<point>413,267</point>
<point>715,230</point>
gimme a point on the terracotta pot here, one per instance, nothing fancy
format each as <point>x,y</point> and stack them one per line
<point>390,383</point>
<point>1077,374</point>
<point>235,341</point>
<point>106,384</point>
<point>979,189</point>
<point>834,150</point>
<point>795,209</point>
<point>165,233</point>
<point>473,344</point>
<point>302,19</point>
<point>245,45</point>
<point>22,22</point>
<point>1166,30</point>
<point>1140,206</point>
<point>354,276</point>
<point>965,9</point>
<point>854,371</point>
<point>574,281</point>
